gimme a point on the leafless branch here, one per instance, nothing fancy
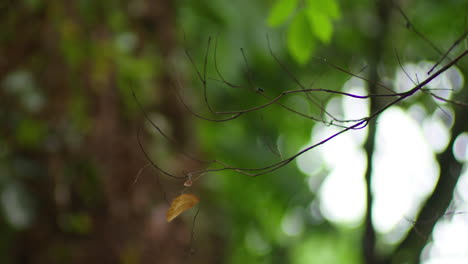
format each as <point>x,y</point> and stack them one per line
<point>460,39</point>
<point>253,172</point>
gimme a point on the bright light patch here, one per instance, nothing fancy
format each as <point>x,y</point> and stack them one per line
<point>436,133</point>
<point>406,79</point>
<point>445,115</point>
<point>339,151</point>
<point>449,236</point>
<point>310,162</point>
<point>462,186</point>
<point>342,194</point>
<point>418,113</point>
<point>334,109</point>
<point>355,109</point>
<point>460,147</point>
<point>449,245</point>
<point>354,83</point>
<point>455,77</point>
<point>405,170</point>
<point>443,85</point>
<point>440,85</point>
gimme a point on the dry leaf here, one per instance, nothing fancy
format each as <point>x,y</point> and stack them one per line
<point>180,204</point>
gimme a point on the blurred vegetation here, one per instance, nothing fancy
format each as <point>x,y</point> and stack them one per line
<point>68,143</point>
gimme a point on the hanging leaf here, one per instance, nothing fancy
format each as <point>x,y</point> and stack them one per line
<point>300,41</point>
<point>313,22</point>
<point>333,10</point>
<point>328,8</point>
<point>320,14</point>
<point>281,11</point>
<point>181,204</point>
<point>320,24</point>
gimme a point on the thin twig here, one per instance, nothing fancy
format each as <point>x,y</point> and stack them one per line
<point>363,123</point>
<point>460,39</point>
<point>411,26</point>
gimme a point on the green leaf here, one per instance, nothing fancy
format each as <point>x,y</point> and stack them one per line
<point>281,11</point>
<point>333,9</point>
<point>328,8</point>
<point>300,41</point>
<point>321,25</point>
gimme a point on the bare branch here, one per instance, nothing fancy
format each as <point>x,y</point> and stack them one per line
<point>458,103</point>
<point>460,39</point>
<point>253,172</point>
<point>152,162</point>
<point>410,26</point>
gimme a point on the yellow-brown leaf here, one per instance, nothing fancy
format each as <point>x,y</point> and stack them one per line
<point>180,204</point>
